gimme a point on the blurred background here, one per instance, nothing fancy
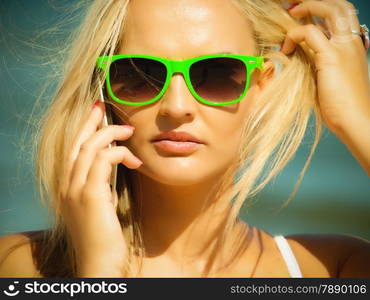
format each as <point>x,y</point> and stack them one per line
<point>334,196</point>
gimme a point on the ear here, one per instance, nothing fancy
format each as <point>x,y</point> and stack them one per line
<point>266,74</point>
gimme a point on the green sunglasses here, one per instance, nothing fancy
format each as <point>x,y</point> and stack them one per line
<point>218,79</point>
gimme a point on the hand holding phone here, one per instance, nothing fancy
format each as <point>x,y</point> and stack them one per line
<point>88,206</point>
<point>107,120</point>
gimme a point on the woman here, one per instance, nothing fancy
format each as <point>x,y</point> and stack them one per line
<point>175,213</point>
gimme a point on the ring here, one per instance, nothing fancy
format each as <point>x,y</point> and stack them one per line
<point>364,34</point>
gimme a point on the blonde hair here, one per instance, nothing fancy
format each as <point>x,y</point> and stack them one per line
<point>271,135</point>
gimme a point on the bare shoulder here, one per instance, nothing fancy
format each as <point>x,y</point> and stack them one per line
<point>16,258</point>
<point>338,255</point>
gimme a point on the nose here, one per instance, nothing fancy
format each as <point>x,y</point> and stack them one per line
<point>177,101</point>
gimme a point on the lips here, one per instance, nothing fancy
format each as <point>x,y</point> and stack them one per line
<point>177,136</point>
<point>177,142</point>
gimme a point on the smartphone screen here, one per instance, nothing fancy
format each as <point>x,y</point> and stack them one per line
<point>107,120</point>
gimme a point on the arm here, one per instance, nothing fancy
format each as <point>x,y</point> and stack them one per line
<point>357,263</point>
<point>16,257</point>
<point>355,134</point>
<point>331,255</point>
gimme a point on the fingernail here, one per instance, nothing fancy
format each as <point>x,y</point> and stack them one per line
<point>96,103</point>
<point>292,6</point>
<point>128,126</point>
<point>138,161</point>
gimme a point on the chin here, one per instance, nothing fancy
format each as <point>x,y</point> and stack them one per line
<point>173,181</point>
<point>183,173</point>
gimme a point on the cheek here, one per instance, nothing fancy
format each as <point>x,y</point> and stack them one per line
<point>227,133</point>
<point>227,130</point>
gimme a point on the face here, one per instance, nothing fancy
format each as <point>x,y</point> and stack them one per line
<point>181,29</point>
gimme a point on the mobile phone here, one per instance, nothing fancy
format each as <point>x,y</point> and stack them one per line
<point>107,120</point>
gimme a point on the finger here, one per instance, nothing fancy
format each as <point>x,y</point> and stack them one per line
<point>321,22</point>
<point>100,140</point>
<point>337,21</point>
<point>87,130</point>
<point>349,10</point>
<point>349,21</point>
<point>310,34</point>
<point>100,171</point>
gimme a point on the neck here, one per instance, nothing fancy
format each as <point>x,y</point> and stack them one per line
<point>181,223</point>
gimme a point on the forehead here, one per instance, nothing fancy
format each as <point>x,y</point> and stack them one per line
<point>180,29</point>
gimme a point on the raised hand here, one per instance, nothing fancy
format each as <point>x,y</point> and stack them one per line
<point>342,71</point>
<point>88,206</point>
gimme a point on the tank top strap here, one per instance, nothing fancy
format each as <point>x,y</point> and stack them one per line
<point>288,256</point>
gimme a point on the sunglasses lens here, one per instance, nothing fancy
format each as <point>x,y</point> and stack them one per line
<point>137,79</point>
<point>218,79</point>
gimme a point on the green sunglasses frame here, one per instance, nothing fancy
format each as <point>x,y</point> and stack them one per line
<point>180,66</point>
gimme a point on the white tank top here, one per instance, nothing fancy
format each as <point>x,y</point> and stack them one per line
<point>288,256</point>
